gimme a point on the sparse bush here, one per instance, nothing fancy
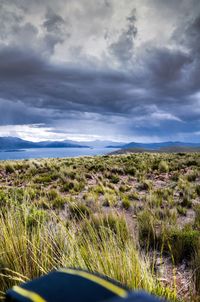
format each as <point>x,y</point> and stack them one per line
<point>9,168</point>
<point>145,185</point>
<point>163,167</point>
<point>126,202</point>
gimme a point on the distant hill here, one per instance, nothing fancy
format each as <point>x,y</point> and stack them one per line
<point>15,143</point>
<point>158,146</point>
<point>170,149</point>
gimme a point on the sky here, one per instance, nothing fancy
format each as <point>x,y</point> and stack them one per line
<point>100,69</point>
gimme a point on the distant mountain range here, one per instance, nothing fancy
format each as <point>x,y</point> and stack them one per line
<point>15,143</point>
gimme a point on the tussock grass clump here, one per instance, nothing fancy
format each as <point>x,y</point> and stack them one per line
<point>192,176</point>
<point>145,185</point>
<point>163,167</point>
<point>43,179</point>
<point>146,228</point>
<point>9,168</point>
<point>181,244</point>
<point>126,204</point>
<point>112,224</point>
<point>79,211</point>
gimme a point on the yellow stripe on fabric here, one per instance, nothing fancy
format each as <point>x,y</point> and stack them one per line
<point>105,283</point>
<point>34,297</point>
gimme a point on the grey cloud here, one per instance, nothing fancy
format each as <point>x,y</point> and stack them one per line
<point>56,28</point>
<point>122,49</point>
<point>147,93</point>
<point>53,22</point>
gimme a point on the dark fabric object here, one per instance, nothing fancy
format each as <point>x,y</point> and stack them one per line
<point>76,286</point>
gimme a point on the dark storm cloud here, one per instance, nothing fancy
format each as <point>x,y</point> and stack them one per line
<point>153,89</point>
<point>34,81</point>
<point>37,83</point>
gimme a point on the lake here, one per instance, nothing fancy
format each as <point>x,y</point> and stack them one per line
<point>53,153</point>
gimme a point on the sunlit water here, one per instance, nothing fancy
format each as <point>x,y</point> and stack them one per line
<point>53,153</point>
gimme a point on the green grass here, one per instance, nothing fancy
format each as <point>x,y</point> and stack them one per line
<point>111,214</point>
<point>44,249</point>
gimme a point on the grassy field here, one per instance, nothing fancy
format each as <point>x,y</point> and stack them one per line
<point>132,217</point>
